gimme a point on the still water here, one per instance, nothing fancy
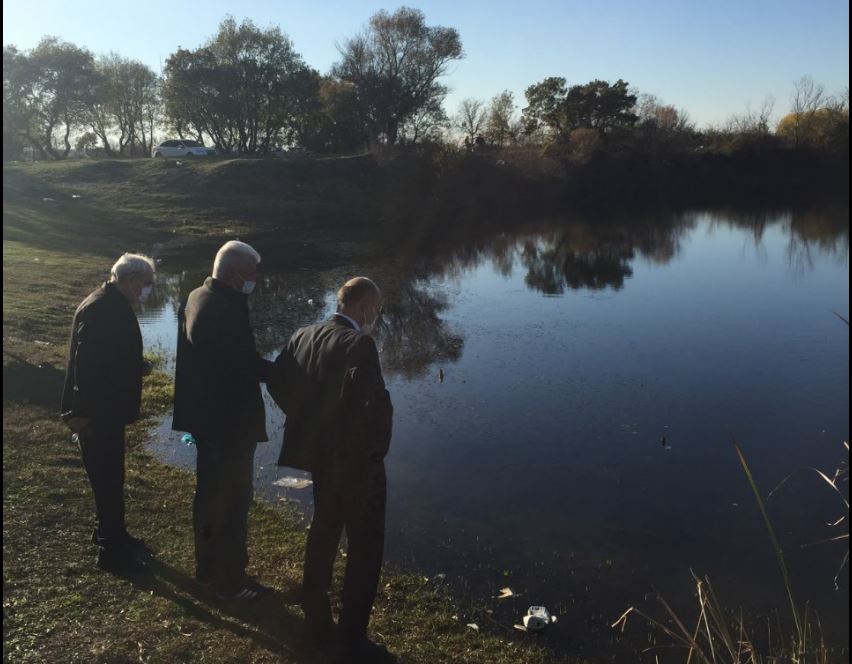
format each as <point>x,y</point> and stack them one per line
<point>578,447</point>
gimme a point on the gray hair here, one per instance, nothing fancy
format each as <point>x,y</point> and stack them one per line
<point>233,254</point>
<point>130,265</point>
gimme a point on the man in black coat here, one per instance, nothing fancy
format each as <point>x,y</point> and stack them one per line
<point>102,394</point>
<point>329,383</point>
<point>218,400</point>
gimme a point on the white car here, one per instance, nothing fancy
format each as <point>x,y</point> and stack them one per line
<point>178,148</point>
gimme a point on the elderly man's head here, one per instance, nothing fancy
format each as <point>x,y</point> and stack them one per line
<point>133,274</point>
<point>236,265</point>
<point>361,300</point>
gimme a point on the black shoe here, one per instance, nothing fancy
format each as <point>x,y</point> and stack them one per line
<point>204,580</point>
<point>364,652</point>
<point>122,563</point>
<point>137,546</point>
<point>261,590</point>
<point>248,590</point>
<point>317,633</point>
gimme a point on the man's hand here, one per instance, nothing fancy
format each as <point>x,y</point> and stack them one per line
<point>78,424</point>
<point>147,368</point>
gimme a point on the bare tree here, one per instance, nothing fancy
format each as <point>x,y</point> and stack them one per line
<point>753,122</point>
<point>470,119</point>
<point>654,114</point>
<point>808,97</point>
<point>425,124</point>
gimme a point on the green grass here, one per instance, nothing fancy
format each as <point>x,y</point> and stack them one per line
<point>57,606</point>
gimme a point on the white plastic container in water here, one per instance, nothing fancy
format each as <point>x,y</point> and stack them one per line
<point>538,618</point>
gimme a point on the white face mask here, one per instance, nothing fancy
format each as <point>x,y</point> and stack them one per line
<point>248,287</point>
<point>146,293</point>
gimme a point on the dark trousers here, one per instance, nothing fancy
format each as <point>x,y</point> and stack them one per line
<point>223,494</point>
<point>102,449</point>
<point>355,501</point>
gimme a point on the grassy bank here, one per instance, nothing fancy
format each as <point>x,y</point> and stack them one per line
<point>57,605</point>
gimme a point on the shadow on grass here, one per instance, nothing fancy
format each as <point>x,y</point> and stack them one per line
<point>26,382</point>
<point>269,622</point>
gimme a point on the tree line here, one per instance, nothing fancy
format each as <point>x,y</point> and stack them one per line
<point>248,91</point>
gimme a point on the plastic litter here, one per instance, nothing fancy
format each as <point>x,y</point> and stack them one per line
<point>76,196</point>
<point>505,592</point>
<point>537,619</point>
<point>187,439</point>
<point>473,626</point>
<point>293,482</point>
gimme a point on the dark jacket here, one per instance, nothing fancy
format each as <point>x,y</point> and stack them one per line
<point>104,376</point>
<point>218,370</point>
<point>328,381</point>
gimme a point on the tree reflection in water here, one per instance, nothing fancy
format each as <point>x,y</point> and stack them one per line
<point>557,255</point>
<point>411,333</point>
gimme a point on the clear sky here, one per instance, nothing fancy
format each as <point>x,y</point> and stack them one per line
<point>711,57</point>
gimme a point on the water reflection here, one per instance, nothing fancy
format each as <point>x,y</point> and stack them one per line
<point>411,334</point>
<point>556,255</point>
<point>540,454</point>
<point>559,264</point>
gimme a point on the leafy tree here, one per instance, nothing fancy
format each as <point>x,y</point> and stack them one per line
<point>186,86</point>
<point>126,105</point>
<point>48,90</point>
<point>499,126</point>
<point>596,105</point>
<point>86,141</point>
<point>246,88</point>
<point>335,124</point>
<point>19,122</point>
<point>546,107</point>
<point>826,127</point>
<point>144,101</point>
<point>600,105</point>
<point>395,65</point>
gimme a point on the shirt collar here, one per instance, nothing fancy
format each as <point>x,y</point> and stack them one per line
<point>354,324</point>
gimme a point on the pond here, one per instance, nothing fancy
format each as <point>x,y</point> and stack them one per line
<point>566,394</point>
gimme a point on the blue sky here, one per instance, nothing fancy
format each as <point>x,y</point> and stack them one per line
<point>710,57</point>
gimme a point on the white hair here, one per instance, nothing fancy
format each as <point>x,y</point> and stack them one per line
<point>233,254</point>
<point>130,265</point>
